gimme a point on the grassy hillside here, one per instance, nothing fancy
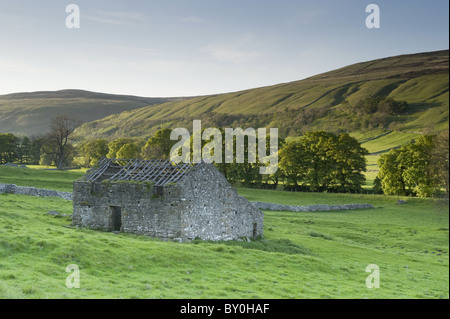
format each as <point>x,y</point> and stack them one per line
<point>30,113</point>
<point>311,104</point>
<point>303,255</point>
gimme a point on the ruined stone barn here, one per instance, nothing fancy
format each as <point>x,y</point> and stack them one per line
<point>160,199</point>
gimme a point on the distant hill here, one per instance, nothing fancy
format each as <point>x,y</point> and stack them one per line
<point>326,101</point>
<point>330,101</point>
<point>30,113</point>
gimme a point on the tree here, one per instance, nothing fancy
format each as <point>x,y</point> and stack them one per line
<point>391,173</point>
<point>129,151</point>
<point>439,161</point>
<point>350,162</point>
<point>116,145</point>
<point>159,145</point>
<point>24,150</point>
<point>92,151</point>
<point>377,188</point>
<point>369,105</point>
<point>274,178</point>
<point>384,105</point>
<point>415,157</point>
<point>318,148</point>
<point>35,149</point>
<point>293,162</point>
<point>58,139</point>
<point>397,107</point>
<point>322,161</point>
<point>8,148</point>
<point>50,157</point>
<point>416,168</point>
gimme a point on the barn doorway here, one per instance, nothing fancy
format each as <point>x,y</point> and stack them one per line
<point>115,218</point>
<point>255,229</point>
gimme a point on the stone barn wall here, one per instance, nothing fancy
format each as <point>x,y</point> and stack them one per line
<point>142,211</point>
<point>214,210</point>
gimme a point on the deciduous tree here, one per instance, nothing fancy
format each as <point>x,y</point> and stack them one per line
<point>93,151</point>
<point>417,168</point>
<point>116,145</point>
<point>159,145</point>
<point>323,161</point>
<point>129,151</point>
<point>58,139</point>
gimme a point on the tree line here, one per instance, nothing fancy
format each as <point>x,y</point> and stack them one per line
<point>54,148</point>
<point>23,150</point>
<point>316,161</point>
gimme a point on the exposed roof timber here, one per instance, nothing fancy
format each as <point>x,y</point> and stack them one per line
<point>159,172</point>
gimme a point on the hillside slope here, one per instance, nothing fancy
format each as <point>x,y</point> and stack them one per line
<point>30,113</point>
<point>314,103</point>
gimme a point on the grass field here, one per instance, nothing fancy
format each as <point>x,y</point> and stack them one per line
<point>389,141</point>
<point>302,255</point>
<point>40,178</point>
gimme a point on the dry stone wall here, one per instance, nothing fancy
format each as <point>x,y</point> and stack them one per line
<point>32,191</point>
<point>310,208</point>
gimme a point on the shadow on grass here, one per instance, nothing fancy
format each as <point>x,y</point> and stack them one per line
<point>284,246</point>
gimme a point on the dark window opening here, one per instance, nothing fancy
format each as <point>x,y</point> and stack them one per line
<point>255,229</point>
<point>116,218</point>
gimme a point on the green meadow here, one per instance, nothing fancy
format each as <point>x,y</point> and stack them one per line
<point>302,255</point>
<point>47,177</point>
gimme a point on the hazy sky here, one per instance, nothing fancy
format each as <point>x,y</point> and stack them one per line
<point>194,47</point>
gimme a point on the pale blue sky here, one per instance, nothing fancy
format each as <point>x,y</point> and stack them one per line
<point>196,47</point>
